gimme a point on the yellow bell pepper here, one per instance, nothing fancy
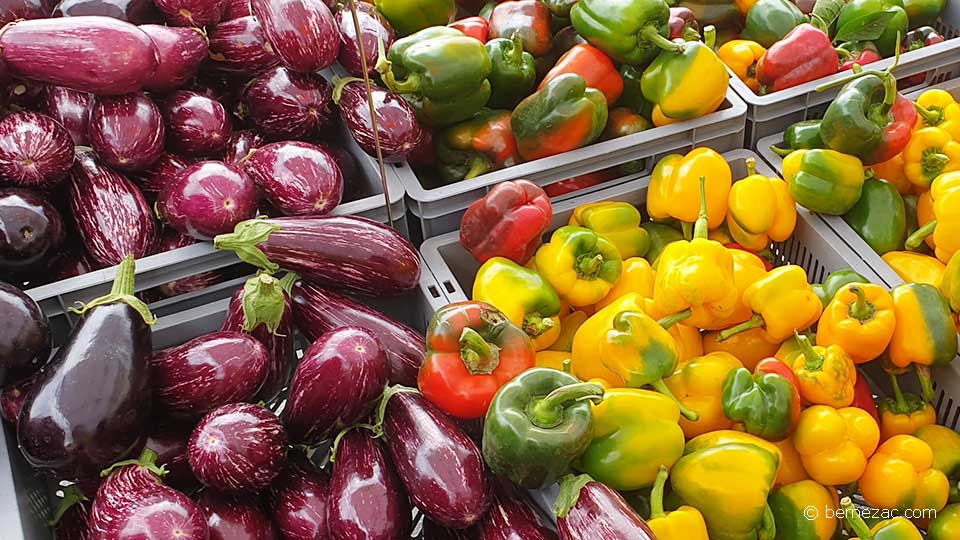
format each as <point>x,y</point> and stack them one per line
<point>698,384</point>
<point>618,222</point>
<point>790,349</point>
<point>915,267</point>
<point>860,320</point>
<point>743,6</point>
<point>673,190</point>
<point>783,302</point>
<point>721,234</point>
<point>893,171</point>
<point>834,444</point>
<point>925,335</point>
<point>940,110</point>
<point>569,324</point>
<point>689,343</point>
<point>637,277</point>
<point>552,359</point>
<point>586,342</point>
<point>580,264</point>
<point>950,286</point>
<point>904,413</point>
<point>945,227</point>
<point>930,153</point>
<point>684,523</point>
<point>760,209</point>
<point>827,375</point>
<point>900,476</point>
<point>791,466</point>
<point>898,528</point>
<point>742,55</point>
<point>523,296</point>
<point>748,268</point>
<point>750,347</point>
<point>791,505</point>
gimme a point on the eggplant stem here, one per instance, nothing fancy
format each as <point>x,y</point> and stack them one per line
<point>339,83</point>
<point>71,496</point>
<point>244,240</point>
<point>263,303</point>
<point>332,458</point>
<point>122,292</point>
<point>381,414</point>
<point>147,460</point>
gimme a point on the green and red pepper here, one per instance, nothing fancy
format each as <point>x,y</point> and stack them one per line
<point>767,401</point>
<point>479,145</point>
<point>805,54</point>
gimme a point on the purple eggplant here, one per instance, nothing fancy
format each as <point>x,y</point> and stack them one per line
<point>511,517</point>
<point>35,150</point>
<point>344,251</point>
<point>100,55</point>
<point>169,440</point>
<point>72,263</point>
<point>400,131</point>
<point>317,311</point>
<point>302,32</point>
<point>127,131</point>
<point>131,11</point>
<point>24,336</point>
<point>197,125</point>
<point>71,521</point>
<point>235,9</point>
<point>284,104</point>
<point>366,500</point>
<point>241,144</point>
<point>92,401</point>
<point>298,502</point>
<point>161,174</point>
<point>31,232</point>
<point>171,239</point>
<point>297,178</point>
<point>235,518</point>
<point>24,93</point>
<point>338,382</point>
<point>239,46</point>
<point>373,27</point>
<point>207,199</point>
<point>112,216</point>
<point>349,170</point>
<point>207,372</point>
<point>589,509</point>
<point>219,86</point>
<point>180,50</point>
<point>238,448</point>
<point>441,468</point>
<point>12,398</point>
<point>12,10</point>
<point>191,12</point>
<point>434,531</point>
<point>72,109</point>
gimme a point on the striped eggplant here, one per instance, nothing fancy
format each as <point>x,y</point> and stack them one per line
<point>589,509</point>
<point>35,150</point>
<point>58,51</point>
<point>31,232</point>
<point>197,13</point>
<point>208,198</point>
<point>400,131</point>
<point>235,9</point>
<point>169,440</point>
<point>180,50</point>
<point>197,126</point>
<point>127,131</point>
<point>345,251</point>
<point>297,178</point>
<point>131,11</point>
<point>235,518</point>
<point>163,172</point>
<point>511,517</point>
<point>303,32</point>
<point>349,171</point>
<point>373,27</point>
<point>284,104</point>
<point>240,46</point>
<point>24,336</point>
<point>317,311</point>
<point>112,216</point>
<point>241,144</point>
<point>298,501</point>
<point>72,109</point>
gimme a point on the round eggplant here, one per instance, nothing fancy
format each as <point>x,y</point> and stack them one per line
<point>112,216</point>
<point>12,10</point>
<point>599,512</point>
<point>285,104</point>
<point>161,174</point>
<point>373,27</point>
<point>12,398</point>
<point>31,231</point>
<point>198,13</point>
<point>302,32</point>
<point>298,502</point>
<point>207,199</point>
<point>238,448</point>
<point>230,518</point>
<point>131,11</point>
<point>239,46</point>
<point>197,125</point>
<point>511,517</point>
<point>297,178</point>
<point>169,441</point>
<point>400,131</point>
<point>72,109</point>
<point>24,336</point>
<point>58,51</point>
<point>127,131</point>
<point>207,372</point>
<point>235,9</point>
<point>338,382</point>
<point>366,498</point>
<point>241,144</point>
<point>180,50</point>
<point>35,150</point>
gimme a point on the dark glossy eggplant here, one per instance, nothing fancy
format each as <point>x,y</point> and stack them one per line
<point>400,131</point>
<point>434,531</point>
<point>441,468</point>
<point>23,93</point>
<point>12,10</point>
<point>35,150</point>
<point>318,311</point>
<point>207,199</point>
<point>131,11</point>
<point>31,232</point>
<point>284,104</point>
<point>235,518</point>
<point>373,26</point>
<point>198,13</point>
<point>297,178</point>
<point>161,174</point>
<point>349,171</point>
<point>60,51</point>
<point>218,86</point>
<point>240,46</point>
<point>344,251</point>
<point>302,32</point>
<point>197,125</point>
<point>240,145</point>
<point>180,50</point>
<point>72,518</point>
<point>338,382</point>
<point>589,509</point>
<point>71,263</point>
<point>72,109</point>
<point>511,517</point>
<point>127,131</point>
<point>234,9</point>
<point>112,216</point>
<point>92,401</point>
<point>24,336</point>
<point>169,440</point>
<point>298,502</point>
<point>12,398</point>
<point>207,372</point>
<point>238,448</point>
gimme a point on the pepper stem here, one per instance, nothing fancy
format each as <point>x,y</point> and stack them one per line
<point>122,292</point>
<point>812,360</point>
<point>768,527</point>
<point>568,366</point>
<point>71,496</point>
<point>751,166</point>
<point>478,165</point>
<point>931,117</point>
<point>782,152</point>
<point>587,266</point>
<point>854,520</point>
<point>862,309</point>
<point>687,413</point>
<point>926,383</point>
<point>897,393</point>
<point>548,412</point>
<point>339,83</point>
<point>651,34</point>
<point>921,234</point>
<point>710,36</point>
<point>656,495</point>
<point>702,228</point>
<point>754,322</point>
<point>516,55</point>
<point>670,320</point>
<point>536,325</point>
<point>480,357</point>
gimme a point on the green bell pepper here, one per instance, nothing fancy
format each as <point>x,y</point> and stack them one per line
<point>629,31</point>
<point>946,526</point>
<point>834,282</point>
<point>560,8</point>
<point>513,74</point>
<point>879,217</point>
<point>910,203</point>
<point>803,135</point>
<point>409,16</point>
<point>687,81</point>
<point>476,146</point>
<point>632,95</point>
<point>764,403</point>
<point>537,425</point>
<point>720,13</point>
<point>660,234</point>
<point>854,11</point>
<point>923,12</point>
<point>768,21</point>
<point>824,181</point>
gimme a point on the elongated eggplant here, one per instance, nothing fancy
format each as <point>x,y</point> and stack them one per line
<point>207,199</point>
<point>238,448</point>
<point>345,251</point>
<point>131,11</point>
<point>241,144</point>
<point>180,52</point>
<point>298,501</point>
<point>31,231</point>
<point>235,518</point>
<point>35,151</point>
<point>511,517</point>
<point>191,12</point>
<point>71,521</point>
<point>240,46</point>
<point>24,336</point>
<point>11,10</point>
<point>60,51</point>
<point>91,403</point>
<point>127,131</point>
<point>112,216</point>
<point>235,9</point>
<point>303,32</point>
<point>441,468</point>
<point>373,26</point>
<point>72,109</point>
<point>298,178</point>
<point>284,104</point>
<point>197,126</point>
<point>163,172</point>
<point>318,311</point>
<point>400,131</point>
<point>169,440</point>
<point>588,509</point>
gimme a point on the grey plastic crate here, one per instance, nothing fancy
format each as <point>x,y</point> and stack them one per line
<point>439,209</point>
<point>772,113</point>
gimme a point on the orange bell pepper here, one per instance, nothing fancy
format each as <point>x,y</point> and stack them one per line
<point>594,66</point>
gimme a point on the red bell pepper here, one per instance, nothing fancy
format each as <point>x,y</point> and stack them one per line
<point>772,365</point>
<point>528,19</point>
<point>805,54</point>
<point>472,350</point>
<point>924,36</point>
<point>594,66</point>
<point>861,53</point>
<point>583,181</point>
<point>508,222</point>
<point>475,27</point>
<point>863,397</point>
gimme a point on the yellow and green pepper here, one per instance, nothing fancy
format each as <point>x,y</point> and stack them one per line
<point>760,210</point>
<point>860,320</point>
<point>827,375</point>
<point>904,413</point>
<point>618,222</point>
<point>783,302</point>
<point>698,385</point>
<point>684,523</point>
<point>900,476</point>
<point>791,506</point>
<point>945,227</point>
<point>580,264</point>
<point>523,295</point>
<point>824,181</point>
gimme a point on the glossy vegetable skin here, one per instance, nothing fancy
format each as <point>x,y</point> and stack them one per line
<point>31,231</point>
<point>207,199</point>
<point>511,517</point>
<point>197,125</point>
<point>588,509</point>
<point>191,12</point>
<point>181,51</point>
<point>302,32</point>
<point>35,151</point>
<point>127,131</point>
<point>398,141</point>
<point>24,338</point>
<point>231,518</point>
<point>373,26</point>
<point>131,11</point>
<point>297,178</point>
<point>72,109</point>
<point>240,46</point>
<point>283,103</point>
<point>298,501</point>
<point>508,222</point>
